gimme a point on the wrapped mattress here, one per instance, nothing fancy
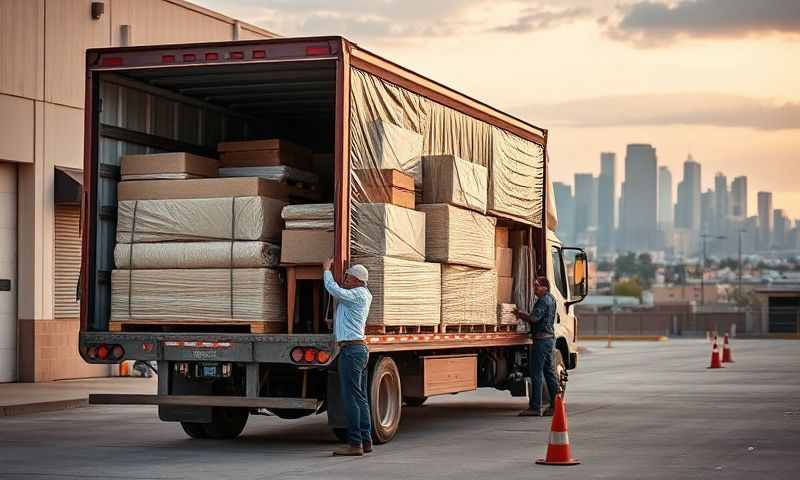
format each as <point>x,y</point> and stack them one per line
<point>277,173</point>
<point>219,294</point>
<point>516,178</point>
<point>449,179</point>
<point>383,229</point>
<point>232,218</point>
<point>469,296</point>
<point>458,236</point>
<point>392,147</point>
<point>404,292</point>
<point>196,255</point>
<point>310,216</point>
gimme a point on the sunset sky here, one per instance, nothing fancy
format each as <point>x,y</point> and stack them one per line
<point>717,78</point>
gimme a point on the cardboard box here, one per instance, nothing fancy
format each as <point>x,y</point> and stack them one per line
<point>395,148</point>
<point>503,261</point>
<point>383,229</point>
<point>458,236</point>
<point>505,289</point>
<point>264,153</point>
<point>449,179</point>
<point>501,237</point>
<point>395,196</point>
<point>215,295</point>
<point>468,296</point>
<point>387,176</point>
<point>306,247</point>
<point>205,188</point>
<point>165,164</point>
<point>404,292</point>
<point>506,314</point>
<point>386,186</point>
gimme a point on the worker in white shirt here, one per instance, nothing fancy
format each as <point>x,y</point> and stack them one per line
<point>353,302</point>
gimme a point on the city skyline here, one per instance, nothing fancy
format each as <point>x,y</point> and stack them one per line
<point>652,75</point>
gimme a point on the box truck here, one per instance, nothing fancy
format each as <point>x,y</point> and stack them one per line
<point>357,112</point>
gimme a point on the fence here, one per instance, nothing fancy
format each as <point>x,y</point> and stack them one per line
<point>743,322</point>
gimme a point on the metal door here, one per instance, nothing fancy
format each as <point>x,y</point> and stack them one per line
<point>8,272</point>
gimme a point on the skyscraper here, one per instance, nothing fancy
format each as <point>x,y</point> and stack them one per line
<point>687,210</point>
<point>665,209</point>
<point>585,203</point>
<point>638,220</point>
<point>606,193</point>
<point>739,197</point>
<point>721,210</point>
<point>565,209</point>
<point>782,226</point>
<point>764,220</point>
<point>708,211</point>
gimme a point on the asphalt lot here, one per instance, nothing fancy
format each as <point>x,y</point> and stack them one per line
<point>638,410</point>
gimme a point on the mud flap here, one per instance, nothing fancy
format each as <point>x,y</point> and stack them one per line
<point>184,413</point>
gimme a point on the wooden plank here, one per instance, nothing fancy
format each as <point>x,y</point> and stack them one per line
<point>449,374</point>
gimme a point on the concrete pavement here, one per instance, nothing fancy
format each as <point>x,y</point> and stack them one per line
<point>638,410</point>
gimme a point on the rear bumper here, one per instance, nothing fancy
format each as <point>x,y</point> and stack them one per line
<point>242,348</point>
<point>206,401</point>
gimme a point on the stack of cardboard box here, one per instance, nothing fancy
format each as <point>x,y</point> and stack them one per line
<point>308,236</point>
<point>461,237</point>
<point>505,280</point>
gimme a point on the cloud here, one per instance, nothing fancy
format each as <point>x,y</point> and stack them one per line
<point>670,109</point>
<point>538,18</point>
<point>650,24</point>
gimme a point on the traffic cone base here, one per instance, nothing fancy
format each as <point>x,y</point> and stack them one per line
<point>558,449</point>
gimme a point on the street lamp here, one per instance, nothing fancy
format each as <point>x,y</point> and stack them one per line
<point>740,232</point>
<point>703,269</point>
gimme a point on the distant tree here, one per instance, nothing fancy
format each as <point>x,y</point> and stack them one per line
<point>730,263</point>
<point>646,269</point>
<point>628,288</point>
<point>625,266</point>
<point>605,266</point>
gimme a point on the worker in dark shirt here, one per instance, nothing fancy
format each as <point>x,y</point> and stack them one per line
<point>541,318</point>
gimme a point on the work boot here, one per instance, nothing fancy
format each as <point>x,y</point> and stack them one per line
<point>349,451</point>
<point>531,413</point>
<point>367,447</point>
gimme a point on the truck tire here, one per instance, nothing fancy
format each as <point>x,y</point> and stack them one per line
<point>290,413</point>
<point>385,400</point>
<point>226,423</point>
<point>415,401</point>
<point>194,430</point>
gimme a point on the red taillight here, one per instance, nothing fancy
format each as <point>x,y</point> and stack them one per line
<point>189,57</point>
<point>102,351</point>
<point>259,54</point>
<point>111,61</point>
<point>211,56</point>
<point>310,355</point>
<point>117,352</point>
<point>310,51</point>
<point>297,355</point>
<point>167,58</point>
<point>323,356</point>
<point>237,55</point>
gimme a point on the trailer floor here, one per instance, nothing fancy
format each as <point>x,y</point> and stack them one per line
<point>638,410</point>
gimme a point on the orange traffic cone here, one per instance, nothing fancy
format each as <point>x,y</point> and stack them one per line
<point>727,356</point>
<point>715,360</point>
<point>558,450</point>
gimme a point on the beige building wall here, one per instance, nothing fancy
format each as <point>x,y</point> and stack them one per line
<point>41,127</point>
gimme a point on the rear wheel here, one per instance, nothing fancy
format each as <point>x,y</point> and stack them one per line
<point>194,430</point>
<point>385,400</point>
<point>415,401</point>
<point>226,422</point>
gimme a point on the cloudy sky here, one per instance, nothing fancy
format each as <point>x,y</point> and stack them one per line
<point>717,78</point>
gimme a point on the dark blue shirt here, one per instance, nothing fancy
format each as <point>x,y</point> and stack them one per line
<point>544,316</point>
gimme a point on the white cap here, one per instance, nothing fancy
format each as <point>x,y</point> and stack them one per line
<point>359,271</point>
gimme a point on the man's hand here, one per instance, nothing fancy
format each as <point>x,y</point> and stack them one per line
<point>523,316</point>
<point>327,264</point>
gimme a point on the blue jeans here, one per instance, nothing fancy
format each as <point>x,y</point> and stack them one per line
<point>353,384</point>
<point>541,364</point>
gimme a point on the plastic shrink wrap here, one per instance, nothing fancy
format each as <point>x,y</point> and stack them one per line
<point>196,255</point>
<point>234,218</point>
<point>279,173</point>
<point>383,229</point>
<point>221,294</point>
<point>458,236</point>
<point>449,179</point>
<point>404,292</point>
<point>309,216</point>
<point>468,296</point>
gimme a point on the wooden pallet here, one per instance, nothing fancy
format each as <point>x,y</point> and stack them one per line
<point>196,326</point>
<point>398,329</point>
<point>459,328</point>
<point>507,328</point>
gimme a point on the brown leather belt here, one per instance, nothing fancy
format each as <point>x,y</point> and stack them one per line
<point>348,343</point>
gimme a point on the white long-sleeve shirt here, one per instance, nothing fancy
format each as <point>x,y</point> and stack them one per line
<point>352,309</point>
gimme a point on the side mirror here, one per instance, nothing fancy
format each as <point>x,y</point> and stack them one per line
<point>577,266</point>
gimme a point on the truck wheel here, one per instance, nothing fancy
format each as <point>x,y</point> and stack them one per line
<point>415,401</point>
<point>194,430</point>
<point>226,423</point>
<point>385,400</point>
<point>290,413</point>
